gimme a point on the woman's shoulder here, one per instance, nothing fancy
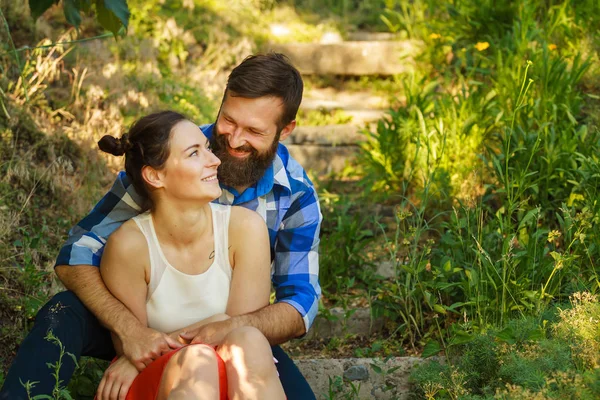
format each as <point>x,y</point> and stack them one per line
<point>243,217</point>
<point>245,225</point>
<point>128,238</point>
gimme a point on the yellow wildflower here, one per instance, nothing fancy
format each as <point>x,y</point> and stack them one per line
<point>434,36</point>
<point>552,47</point>
<point>481,46</point>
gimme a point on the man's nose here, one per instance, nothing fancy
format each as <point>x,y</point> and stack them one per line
<point>236,138</point>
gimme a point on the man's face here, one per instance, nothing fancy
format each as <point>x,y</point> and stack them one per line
<point>246,138</point>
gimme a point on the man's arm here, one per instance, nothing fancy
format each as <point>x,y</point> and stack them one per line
<point>279,323</point>
<point>140,344</point>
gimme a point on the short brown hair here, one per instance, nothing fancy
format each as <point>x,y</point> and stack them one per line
<point>269,74</point>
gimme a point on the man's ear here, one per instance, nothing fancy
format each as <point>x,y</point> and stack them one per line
<point>152,177</point>
<point>287,130</point>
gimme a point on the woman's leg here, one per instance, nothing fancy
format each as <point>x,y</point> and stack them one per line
<point>191,373</point>
<point>251,371</point>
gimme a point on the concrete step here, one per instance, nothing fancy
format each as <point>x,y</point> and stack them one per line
<point>372,378</point>
<point>329,98</point>
<point>323,160</point>
<point>352,58</point>
<point>327,135</point>
<point>358,117</point>
<point>339,322</point>
<point>371,36</point>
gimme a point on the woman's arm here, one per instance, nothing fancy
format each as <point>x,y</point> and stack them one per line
<point>251,262</point>
<point>124,268</point>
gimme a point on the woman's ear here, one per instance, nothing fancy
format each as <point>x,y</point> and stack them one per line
<point>152,177</point>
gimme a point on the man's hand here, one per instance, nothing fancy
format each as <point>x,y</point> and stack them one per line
<point>211,334</point>
<point>142,345</point>
<point>117,380</point>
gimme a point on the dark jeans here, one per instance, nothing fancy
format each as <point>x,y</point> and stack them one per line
<point>82,335</point>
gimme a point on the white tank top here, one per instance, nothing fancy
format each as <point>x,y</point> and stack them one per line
<point>176,299</point>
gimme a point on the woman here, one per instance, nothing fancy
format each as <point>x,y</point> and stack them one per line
<point>187,262</point>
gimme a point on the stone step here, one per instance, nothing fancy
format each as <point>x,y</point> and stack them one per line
<point>362,36</point>
<point>352,58</point>
<point>327,135</point>
<point>339,322</point>
<point>323,160</point>
<point>372,378</point>
<point>329,98</point>
<point>357,117</point>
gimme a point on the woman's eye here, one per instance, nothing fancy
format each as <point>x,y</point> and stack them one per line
<point>194,153</point>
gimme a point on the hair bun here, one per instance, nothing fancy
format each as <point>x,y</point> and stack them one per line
<point>115,146</point>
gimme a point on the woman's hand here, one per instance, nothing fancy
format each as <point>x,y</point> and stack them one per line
<point>117,380</point>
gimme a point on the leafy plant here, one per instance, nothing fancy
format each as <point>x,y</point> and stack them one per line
<point>113,15</point>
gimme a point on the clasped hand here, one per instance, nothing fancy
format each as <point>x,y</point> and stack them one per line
<point>140,347</point>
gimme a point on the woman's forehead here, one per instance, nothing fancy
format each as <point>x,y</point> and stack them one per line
<point>186,133</point>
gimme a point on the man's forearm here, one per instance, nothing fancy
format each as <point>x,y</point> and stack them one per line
<point>279,322</point>
<point>85,281</point>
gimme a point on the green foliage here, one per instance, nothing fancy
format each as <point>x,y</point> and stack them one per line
<point>59,392</point>
<point>579,326</point>
<point>113,15</point>
<point>322,117</point>
<point>497,161</point>
<point>344,240</point>
<point>518,361</point>
<point>340,390</point>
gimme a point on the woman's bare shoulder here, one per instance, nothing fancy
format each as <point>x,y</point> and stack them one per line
<point>243,217</point>
<point>128,240</point>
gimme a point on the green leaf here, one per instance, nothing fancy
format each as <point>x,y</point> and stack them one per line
<point>376,368</point>
<point>84,6</point>
<point>536,335</point>
<point>528,217</point>
<point>431,349</point>
<point>71,10</point>
<point>107,18</point>
<point>119,9</point>
<point>507,335</point>
<point>38,7</point>
<point>439,308</point>
<point>393,369</point>
<point>460,337</point>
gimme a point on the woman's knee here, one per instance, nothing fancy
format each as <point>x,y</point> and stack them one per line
<point>247,346</point>
<point>195,356</point>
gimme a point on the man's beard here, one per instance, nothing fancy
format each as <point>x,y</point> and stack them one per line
<point>235,172</point>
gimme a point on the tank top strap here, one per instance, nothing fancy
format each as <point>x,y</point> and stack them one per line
<point>221,215</point>
<point>157,266</point>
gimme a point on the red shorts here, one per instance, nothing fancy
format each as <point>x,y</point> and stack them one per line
<point>146,384</point>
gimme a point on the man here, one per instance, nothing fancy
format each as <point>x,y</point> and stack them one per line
<point>258,110</point>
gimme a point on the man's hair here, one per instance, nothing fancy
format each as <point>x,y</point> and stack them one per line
<point>269,74</point>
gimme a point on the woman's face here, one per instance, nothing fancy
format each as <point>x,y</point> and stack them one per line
<point>190,172</point>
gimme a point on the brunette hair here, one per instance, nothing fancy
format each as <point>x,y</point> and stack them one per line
<point>146,143</point>
<point>269,74</point>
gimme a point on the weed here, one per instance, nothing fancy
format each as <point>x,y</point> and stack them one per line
<point>59,392</point>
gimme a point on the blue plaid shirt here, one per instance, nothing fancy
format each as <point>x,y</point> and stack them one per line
<point>284,197</point>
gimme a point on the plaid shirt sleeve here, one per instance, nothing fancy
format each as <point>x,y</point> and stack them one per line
<point>296,275</point>
<point>87,239</point>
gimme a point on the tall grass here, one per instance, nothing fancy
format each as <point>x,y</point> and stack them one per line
<point>494,160</point>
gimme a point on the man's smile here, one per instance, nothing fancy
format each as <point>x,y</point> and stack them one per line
<point>238,153</point>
